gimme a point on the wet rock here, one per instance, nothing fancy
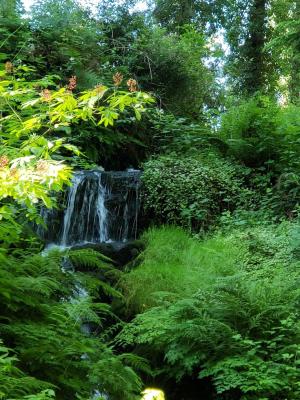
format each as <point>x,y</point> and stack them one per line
<point>120,252</point>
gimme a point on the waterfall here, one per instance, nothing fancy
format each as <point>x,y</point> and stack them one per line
<point>85,218</point>
<point>100,207</point>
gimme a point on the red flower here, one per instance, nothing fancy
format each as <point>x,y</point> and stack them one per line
<point>72,83</point>
<point>132,85</point>
<point>4,161</point>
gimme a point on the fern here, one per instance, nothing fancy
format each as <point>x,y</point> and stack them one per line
<point>44,395</point>
<point>42,317</point>
<point>136,362</point>
<point>89,258</point>
<point>13,381</point>
<point>240,330</point>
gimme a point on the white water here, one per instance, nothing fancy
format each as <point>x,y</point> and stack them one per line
<point>85,219</point>
<point>102,214</point>
<point>100,207</point>
<point>70,206</point>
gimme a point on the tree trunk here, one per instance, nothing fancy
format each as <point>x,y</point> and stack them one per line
<point>294,86</point>
<point>253,57</point>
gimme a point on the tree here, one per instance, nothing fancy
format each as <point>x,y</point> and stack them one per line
<point>174,14</point>
<point>252,53</point>
<point>284,44</point>
<point>246,28</point>
<point>203,14</point>
<point>66,45</point>
<point>14,32</point>
<point>10,8</point>
<point>172,67</point>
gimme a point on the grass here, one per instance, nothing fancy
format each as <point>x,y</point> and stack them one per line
<point>176,265</point>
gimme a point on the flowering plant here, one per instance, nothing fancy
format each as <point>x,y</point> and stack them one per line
<point>36,119</point>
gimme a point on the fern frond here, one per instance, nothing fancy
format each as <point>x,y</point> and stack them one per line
<point>90,258</point>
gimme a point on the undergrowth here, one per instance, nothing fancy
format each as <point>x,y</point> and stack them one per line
<point>226,308</point>
<point>176,265</point>
<point>53,319</point>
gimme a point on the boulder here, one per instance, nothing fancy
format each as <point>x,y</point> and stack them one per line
<point>121,253</point>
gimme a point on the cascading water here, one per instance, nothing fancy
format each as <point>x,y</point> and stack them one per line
<point>85,218</point>
<point>100,207</point>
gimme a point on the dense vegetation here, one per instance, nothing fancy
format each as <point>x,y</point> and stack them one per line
<point>205,98</point>
<point>224,308</point>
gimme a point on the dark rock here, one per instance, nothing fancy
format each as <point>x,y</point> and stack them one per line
<point>120,252</point>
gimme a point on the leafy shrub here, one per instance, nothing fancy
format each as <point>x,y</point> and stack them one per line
<point>265,244</point>
<point>265,136</point>
<point>250,131</point>
<point>13,380</point>
<point>286,192</point>
<point>260,132</point>
<point>191,190</point>
<point>169,134</point>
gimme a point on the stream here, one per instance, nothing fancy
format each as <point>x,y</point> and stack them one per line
<point>101,209</point>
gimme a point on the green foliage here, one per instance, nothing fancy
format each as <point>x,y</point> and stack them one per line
<point>265,136</point>
<point>172,265</point>
<point>250,131</point>
<point>65,44</point>
<point>190,190</point>
<point>225,309</point>
<point>178,134</point>
<point>44,330</point>
<point>171,66</point>
<point>285,46</point>
<point>238,324</point>
<point>42,316</point>
<point>44,395</point>
<point>16,38</point>
<point>13,380</point>
<point>252,65</point>
<point>46,311</point>
<point>260,376</point>
<point>36,125</point>
<point>89,259</point>
<point>174,15</point>
<point>34,108</point>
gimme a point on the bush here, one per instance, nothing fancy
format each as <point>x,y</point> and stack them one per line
<point>261,133</point>
<point>266,137</point>
<point>191,190</point>
<point>250,131</point>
